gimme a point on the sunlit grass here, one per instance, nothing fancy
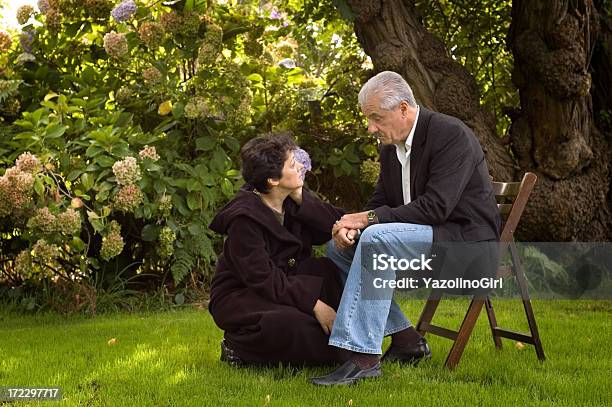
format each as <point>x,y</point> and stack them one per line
<point>171,359</point>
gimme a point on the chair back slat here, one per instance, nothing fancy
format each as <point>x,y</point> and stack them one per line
<point>511,212</point>
<point>506,189</point>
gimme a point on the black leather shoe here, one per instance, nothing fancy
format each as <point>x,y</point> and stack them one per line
<point>411,355</point>
<point>229,356</point>
<point>347,374</point>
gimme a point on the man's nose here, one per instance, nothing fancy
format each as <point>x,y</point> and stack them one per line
<point>372,128</point>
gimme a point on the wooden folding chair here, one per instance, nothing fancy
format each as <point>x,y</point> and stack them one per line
<point>512,198</point>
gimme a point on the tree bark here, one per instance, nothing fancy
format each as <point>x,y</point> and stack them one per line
<point>555,134</point>
<point>392,34</point>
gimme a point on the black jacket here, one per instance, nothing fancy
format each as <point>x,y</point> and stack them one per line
<point>450,187</point>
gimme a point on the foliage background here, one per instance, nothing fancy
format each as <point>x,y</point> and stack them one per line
<point>179,87</point>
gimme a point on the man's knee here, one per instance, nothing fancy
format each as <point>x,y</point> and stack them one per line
<point>370,233</point>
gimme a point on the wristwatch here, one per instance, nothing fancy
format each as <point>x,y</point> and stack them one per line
<point>372,218</point>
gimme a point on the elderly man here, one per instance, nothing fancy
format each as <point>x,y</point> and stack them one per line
<point>433,187</point>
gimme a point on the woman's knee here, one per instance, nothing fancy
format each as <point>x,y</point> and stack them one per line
<point>337,254</point>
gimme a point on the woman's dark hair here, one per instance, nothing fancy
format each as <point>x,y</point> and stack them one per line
<point>264,157</point>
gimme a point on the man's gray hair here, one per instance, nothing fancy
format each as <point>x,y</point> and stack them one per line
<point>390,87</point>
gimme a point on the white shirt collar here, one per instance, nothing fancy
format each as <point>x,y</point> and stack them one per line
<point>408,143</point>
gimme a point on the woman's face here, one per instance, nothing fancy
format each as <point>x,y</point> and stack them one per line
<point>291,175</point>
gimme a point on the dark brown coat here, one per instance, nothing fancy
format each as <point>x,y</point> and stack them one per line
<point>267,282</point>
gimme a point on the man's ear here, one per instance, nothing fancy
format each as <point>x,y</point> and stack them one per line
<point>404,108</point>
<point>273,182</point>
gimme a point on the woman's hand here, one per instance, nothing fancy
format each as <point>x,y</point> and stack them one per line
<point>344,238</point>
<point>296,195</point>
<point>325,315</point>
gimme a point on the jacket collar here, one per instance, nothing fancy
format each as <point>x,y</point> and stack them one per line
<point>418,143</point>
<point>247,204</point>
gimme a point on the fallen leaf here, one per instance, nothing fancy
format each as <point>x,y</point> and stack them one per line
<point>112,341</point>
<point>519,345</point>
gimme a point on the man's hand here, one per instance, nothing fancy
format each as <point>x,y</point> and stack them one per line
<point>296,195</point>
<point>325,315</point>
<point>351,221</point>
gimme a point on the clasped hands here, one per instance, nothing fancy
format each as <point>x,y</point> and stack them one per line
<point>345,229</point>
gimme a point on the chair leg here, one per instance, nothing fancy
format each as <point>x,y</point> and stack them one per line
<point>427,315</point>
<point>522,283</point>
<point>428,312</point>
<point>464,333</point>
<point>492,322</point>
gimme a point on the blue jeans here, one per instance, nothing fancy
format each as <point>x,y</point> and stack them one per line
<point>361,324</point>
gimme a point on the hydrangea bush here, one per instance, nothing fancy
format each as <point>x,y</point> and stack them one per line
<point>121,124</point>
<point>119,136</point>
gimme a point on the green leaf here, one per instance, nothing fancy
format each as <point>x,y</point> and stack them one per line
<point>370,150</point>
<point>227,187</point>
<point>87,181</point>
<point>177,110</point>
<point>255,77</point>
<point>179,203</point>
<point>55,130</point>
<point>232,143</point>
<point>233,173</point>
<point>102,196</point>
<point>346,167</point>
<point>205,143</point>
<point>150,232</point>
<point>74,174</point>
<point>88,75</point>
<point>195,229</point>
<point>92,215</point>
<point>200,6</point>
<point>124,119</point>
<point>159,186</point>
<point>97,225</point>
<point>24,123</point>
<point>218,161</point>
<point>77,244</point>
<point>39,187</point>
<point>194,201</point>
<point>105,161</point>
<point>193,185</point>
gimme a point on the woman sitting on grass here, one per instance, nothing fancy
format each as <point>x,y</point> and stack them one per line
<point>275,302</point>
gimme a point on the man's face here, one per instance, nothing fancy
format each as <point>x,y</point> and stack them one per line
<point>389,126</point>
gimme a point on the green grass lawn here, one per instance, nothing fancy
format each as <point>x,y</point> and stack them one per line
<point>172,359</point>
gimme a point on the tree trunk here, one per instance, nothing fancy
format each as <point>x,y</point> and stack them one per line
<point>555,134</point>
<point>391,33</point>
<point>569,202</point>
